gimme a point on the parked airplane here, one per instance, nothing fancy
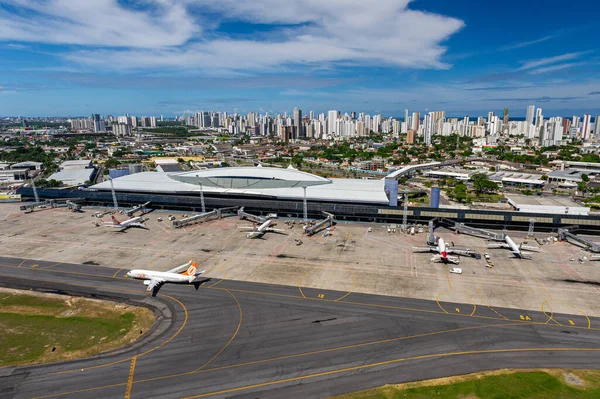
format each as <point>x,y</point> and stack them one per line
<point>257,232</point>
<point>443,250</point>
<point>517,250</point>
<point>133,222</point>
<point>184,274</point>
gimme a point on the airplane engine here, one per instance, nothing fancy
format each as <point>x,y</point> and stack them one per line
<point>146,282</point>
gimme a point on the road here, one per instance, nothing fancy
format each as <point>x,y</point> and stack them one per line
<point>238,339</point>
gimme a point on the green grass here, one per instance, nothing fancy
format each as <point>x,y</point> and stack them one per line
<point>25,338</point>
<point>518,385</point>
<point>31,326</point>
<point>31,301</point>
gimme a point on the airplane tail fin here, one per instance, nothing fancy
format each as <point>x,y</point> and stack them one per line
<point>115,221</point>
<point>191,271</point>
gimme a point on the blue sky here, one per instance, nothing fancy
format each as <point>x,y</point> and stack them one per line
<point>152,57</point>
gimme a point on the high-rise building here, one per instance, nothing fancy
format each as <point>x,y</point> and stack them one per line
<point>530,114</point>
<point>428,127</point>
<point>539,118</point>
<point>505,119</point>
<point>121,129</point>
<point>586,126</point>
<point>98,123</point>
<point>416,119</point>
<point>332,117</point>
<point>298,123</point>
<point>597,125</point>
<point>490,116</point>
<point>410,136</point>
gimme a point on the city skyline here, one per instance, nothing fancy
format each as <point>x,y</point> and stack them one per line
<point>170,56</point>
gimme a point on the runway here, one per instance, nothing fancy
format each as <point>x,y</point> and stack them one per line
<point>247,340</point>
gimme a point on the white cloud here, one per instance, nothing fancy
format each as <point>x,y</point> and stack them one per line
<point>554,68</point>
<point>551,60</point>
<point>527,43</point>
<point>154,23</point>
<point>166,33</point>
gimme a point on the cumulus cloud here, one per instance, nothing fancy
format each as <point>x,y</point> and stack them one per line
<point>167,33</point>
<point>143,24</point>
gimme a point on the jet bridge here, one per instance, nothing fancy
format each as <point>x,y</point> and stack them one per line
<point>320,225</point>
<point>464,229</point>
<point>136,209</point>
<point>203,217</point>
<point>251,217</point>
<point>565,235</point>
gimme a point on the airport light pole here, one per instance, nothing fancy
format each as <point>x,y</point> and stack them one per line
<point>201,196</point>
<point>35,193</point>
<point>305,207</point>
<point>531,227</point>
<point>114,195</point>
<point>405,212</point>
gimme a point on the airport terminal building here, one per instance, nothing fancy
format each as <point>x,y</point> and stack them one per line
<point>254,183</point>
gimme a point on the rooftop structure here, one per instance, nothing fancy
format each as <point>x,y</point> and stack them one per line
<point>13,175</point>
<point>458,174</point>
<point>262,182</point>
<point>73,177</point>
<point>518,179</point>
<point>169,167</point>
<point>569,175</point>
<point>27,165</point>
<point>538,204</point>
<point>589,166</point>
<point>76,164</point>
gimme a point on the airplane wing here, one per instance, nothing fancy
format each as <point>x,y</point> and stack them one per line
<point>136,224</point>
<point>181,268</point>
<point>501,245</point>
<point>424,249</point>
<point>155,285</point>
<point>276,231</point>
<point>246,228</point>
<point>530,248</point>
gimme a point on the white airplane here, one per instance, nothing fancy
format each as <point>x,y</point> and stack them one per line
<point>443,250</point>
<point>184,274</point>
<point>257,232</point>
<point>517,250</point>
<point>133,222</point>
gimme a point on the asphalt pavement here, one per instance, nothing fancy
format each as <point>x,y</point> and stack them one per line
<point>239,339</point>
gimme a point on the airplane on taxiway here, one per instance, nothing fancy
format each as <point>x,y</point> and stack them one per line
<point>184,274</point>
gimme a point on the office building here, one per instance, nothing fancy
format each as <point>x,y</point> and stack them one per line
<point>298,123</point>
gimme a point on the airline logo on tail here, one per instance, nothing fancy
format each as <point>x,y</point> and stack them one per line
<point>191,271</point>
<point>115,221</point>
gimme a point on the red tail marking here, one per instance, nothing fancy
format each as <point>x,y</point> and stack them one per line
<point>114,219</point>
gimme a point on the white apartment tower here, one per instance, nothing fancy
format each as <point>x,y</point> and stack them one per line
<point>530,114</point>
<point>332,117</point>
